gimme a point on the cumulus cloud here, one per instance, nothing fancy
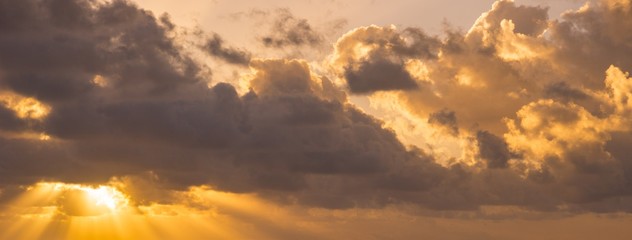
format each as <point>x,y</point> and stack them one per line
<point>519,84</point>
<point>95,90</point>
<point>150,112</point>
<point>373,58</point>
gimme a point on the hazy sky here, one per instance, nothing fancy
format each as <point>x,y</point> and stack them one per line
<point>215,15</point>
<point>357,119</point>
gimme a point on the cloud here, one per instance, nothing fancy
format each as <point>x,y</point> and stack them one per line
<point>124,100</point>
<point>598,29</point>
<point>68,43</point>
<point>289,31</point>
<point>528,20</point>
<point>373,76</point>
<point>373,58</point>
<point>493,150</point>
<point>445,118</point>
<point>563,91</point>
<point>10,120</point>
<point>517,69</point>
<point>215,47</point>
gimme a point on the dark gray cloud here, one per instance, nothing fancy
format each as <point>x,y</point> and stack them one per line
<point>215,47</point>
<point>9,120</point>
<point>379,76</point>
<point>374,59</point>
<point>563,91</point>
<point>58,47</point>
<point>446,119</point>
<point>55,51</point>
<point>290,31</point>
<point>493,150</point>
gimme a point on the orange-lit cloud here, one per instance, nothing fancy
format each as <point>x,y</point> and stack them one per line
<point>24,107</point>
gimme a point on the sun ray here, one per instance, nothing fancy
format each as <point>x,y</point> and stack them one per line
<point>55,210</point>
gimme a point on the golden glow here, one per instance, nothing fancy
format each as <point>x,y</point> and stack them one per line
<point>514,46</point>
<point>618,4</point>
<point>418,70</point>
<point>412,129</point>
<point>466,78</point>
<point>53,210</point>
<point>106,196</point>
<point>76,199</point>
<point>204,213</point>
<point>619,89</point>
<point>44,137</point>
<point>100,81</point>
<point>362,50</point>
<point>24,107</point>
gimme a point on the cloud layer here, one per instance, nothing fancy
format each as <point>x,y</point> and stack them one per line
<point>93,90</point>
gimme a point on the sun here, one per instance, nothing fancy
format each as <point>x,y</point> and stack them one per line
<point>106,196</point>
<point>87,200</point>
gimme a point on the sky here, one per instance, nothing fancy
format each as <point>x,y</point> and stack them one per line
<point>360,119</point>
